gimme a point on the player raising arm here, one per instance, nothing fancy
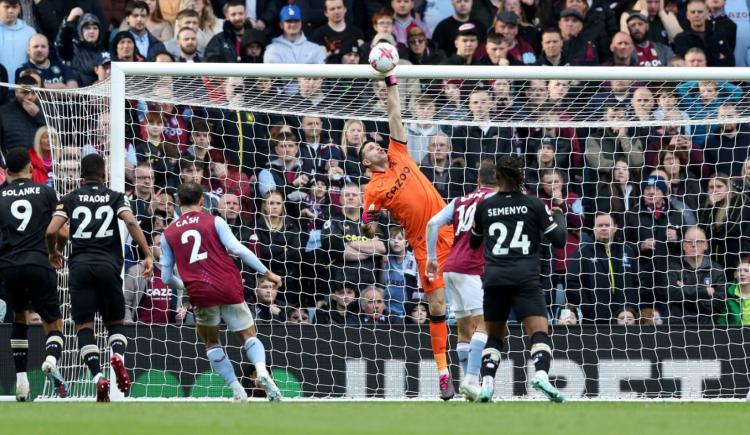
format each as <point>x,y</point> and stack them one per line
<point>511,225</point>
<point>197,243</point>
<point>399,186</point>
<point>95,265</point>
<point>462,275</point>
<point>25,211</point>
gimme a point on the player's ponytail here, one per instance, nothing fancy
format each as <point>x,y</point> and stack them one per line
<point>509,173</point>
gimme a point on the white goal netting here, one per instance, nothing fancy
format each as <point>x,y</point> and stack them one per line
<point>646,301</point>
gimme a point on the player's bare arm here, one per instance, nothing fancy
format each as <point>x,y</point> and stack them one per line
<point>135,231</point>
<point>395,124</point>
<point>56,240</point>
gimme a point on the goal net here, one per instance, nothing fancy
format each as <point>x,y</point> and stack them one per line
<point>649,165</point>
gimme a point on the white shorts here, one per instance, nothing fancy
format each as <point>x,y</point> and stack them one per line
<point>237,316</point>
<point>465,294</point>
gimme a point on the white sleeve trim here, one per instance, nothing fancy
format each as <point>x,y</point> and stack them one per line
<point>550,228</point>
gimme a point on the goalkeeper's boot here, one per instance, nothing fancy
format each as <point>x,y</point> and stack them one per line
<point>102,389</point>
<point>22,389</point>
<point>121,375</point>
<point>543,386</point>
<point>446,387</point>
<point>487,390</point>
<point>469,389</point>
<point>50,370</point>
<point>272,391</point>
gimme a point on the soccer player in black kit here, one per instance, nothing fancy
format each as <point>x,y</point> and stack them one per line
<point>512,225</point>
<point>95,264</point>
<point>25,211</point>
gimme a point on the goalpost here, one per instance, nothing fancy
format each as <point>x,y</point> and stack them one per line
<point>483,112</point>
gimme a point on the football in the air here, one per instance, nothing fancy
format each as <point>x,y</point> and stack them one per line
<point>383,57</point>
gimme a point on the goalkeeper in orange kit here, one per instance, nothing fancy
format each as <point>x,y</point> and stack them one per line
<point>399,186</point>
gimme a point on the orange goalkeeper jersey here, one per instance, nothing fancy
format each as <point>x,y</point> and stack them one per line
<point>407,194</point>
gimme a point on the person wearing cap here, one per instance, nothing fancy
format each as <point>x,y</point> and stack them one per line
<point>717,42</point>
<point>599,20</point>
<point>422,51</point>
<point>349,53</point>
<point>655,225</point>
<point>446,30</point>
<point>466,43</point>
<point>55,74</point>
<point>79,41</point>
<point>582,47</point>
<point>403,20</point>
<point>103,66</point>
<point>518,48</point>
<point>14,37</point>
<point>663,25</point>
<point>226,46</point>
<point>336,31</point>
<point>647,52</point>
<point>292,46</point>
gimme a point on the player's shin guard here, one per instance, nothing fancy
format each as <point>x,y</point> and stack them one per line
<point>439,341</point>
<point>117,340</point>
<point>478,342</point>
<point>463,349</point>
<point>54,346</point>
<point>491,357</point>
<point>541,353</point>
<point>89,351</point>
<point>256,353</point>
<point>19,345</point>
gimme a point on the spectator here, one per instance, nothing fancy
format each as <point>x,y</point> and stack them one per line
<point>581,47</point>
<point>605,145</point>
<point>187,46</point>
<point>738,291</point>
<point>226,45</point>
<point>663,25</point>
<point>149,300</point>
<point>55,74</point>
<point>446,31</point>
<point>403,17</point>
<point>287,173</point>
<point>552,46</point>
<point>226,178</point>
<point>647,51</point>
<point>614,92</point>
<point>136,15</point>
<point>622,50</point>
<point>353,256</point>
<point>22,117</point>
<point>655,226</point>
<point>518,48</point>
<point>277,242</point>
<point>192,171</point>
<point>41,154</point>
<point>717,41</point>
<point>423,51</point>
<point>372,305</point>
<point>697,287</point>
<point>209,25</point>
<point>615,197</point>
<point>527,20</point>
<point>297,315</point>
<point>341,308</point>
<point>399,273</point>
<point>642,104</point>
<point>417,313</point>
<point>694,58</point>
<point>103,67</point>
<point>453,107</point>
<point>504,101</point>
<point>602,276</point>
<point>123,49</point>
<point>268,306</point>
<point>80,41</point>
<point>382,25</point>
<point>497,51</point>
<point>292,46</point>
<point>725,218</point>
<point>701,100</point>
<point>154,149</point>
<point>143,193</point>
<point>447,174</point>
<point>187,19</point>
<point>14,37</point>
<point>683,185</point>
<point>230,209</point>
<point>727,149</point>
<point>467,42</point>
<point>353,137</point>
<point>169,9</point>
<point>420,131</point>
<point>478,143</point>
<point>542,154</point>
<point>316,210</point>
<point>156,24</point>
<point>336,31</point>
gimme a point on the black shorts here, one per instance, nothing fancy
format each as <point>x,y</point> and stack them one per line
<point>96,288</point>
<point>525,300</point>
<point>35,285</point>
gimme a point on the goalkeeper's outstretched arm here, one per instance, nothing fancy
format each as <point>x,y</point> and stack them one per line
<point>395,124</point>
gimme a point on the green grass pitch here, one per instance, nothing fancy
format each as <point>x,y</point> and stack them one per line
<point>382,418</point>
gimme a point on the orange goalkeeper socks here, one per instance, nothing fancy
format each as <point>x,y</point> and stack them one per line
<point>439,341</point>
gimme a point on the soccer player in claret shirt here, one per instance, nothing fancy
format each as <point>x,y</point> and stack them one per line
<point>511,225</point>
<point>197,243</point>
<point>462,275</point>
<point>95,265</point>
<point>399,186</point>
<point>25,211</point>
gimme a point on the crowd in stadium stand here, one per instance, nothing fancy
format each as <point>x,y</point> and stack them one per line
<point>658,217</point>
